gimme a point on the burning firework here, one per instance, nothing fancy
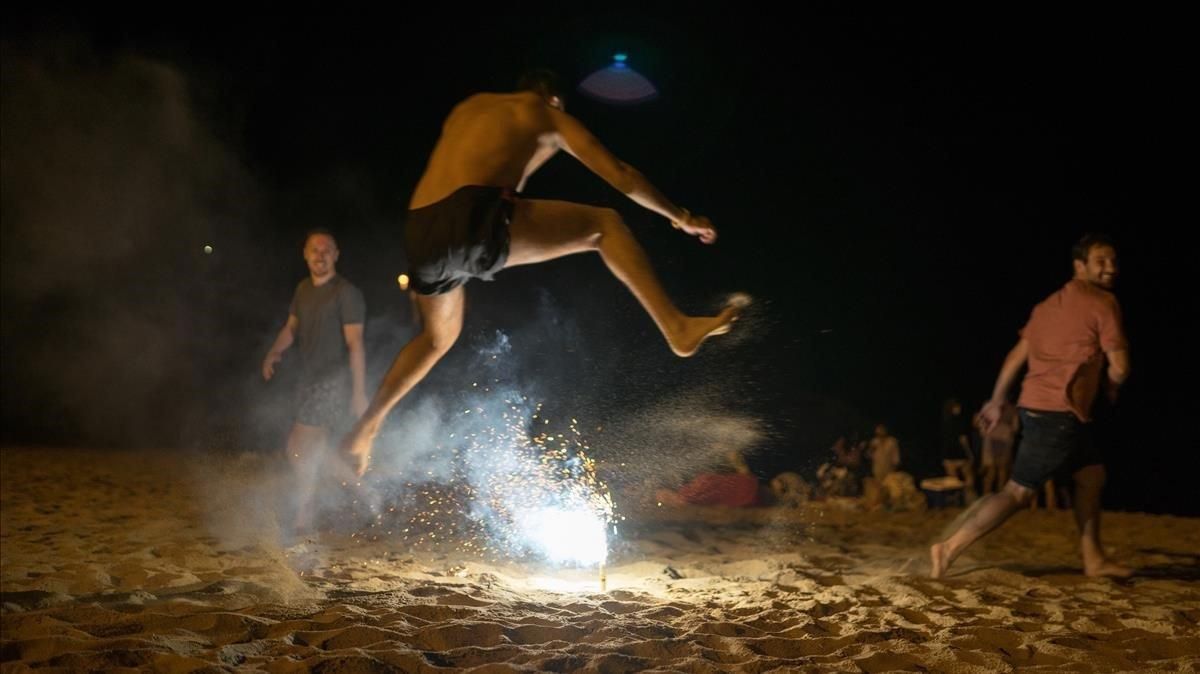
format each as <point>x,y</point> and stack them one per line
<point>518,490</point>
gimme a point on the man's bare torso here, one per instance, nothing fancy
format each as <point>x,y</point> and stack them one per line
<point>488,139</point>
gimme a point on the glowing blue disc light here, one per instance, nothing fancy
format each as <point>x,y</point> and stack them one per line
<point>618,84</point>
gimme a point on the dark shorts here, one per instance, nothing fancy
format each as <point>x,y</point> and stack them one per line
<point>1053,445</point>
<point>461,237</point>
<point>324,403</point>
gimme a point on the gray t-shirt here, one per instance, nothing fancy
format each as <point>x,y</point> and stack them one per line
<point>322,311</point>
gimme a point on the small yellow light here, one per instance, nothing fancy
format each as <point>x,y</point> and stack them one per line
<point>403,281</point>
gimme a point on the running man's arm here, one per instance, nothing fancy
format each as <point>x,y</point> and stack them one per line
<point>990,414</point>
<point>1111,330</point>
<point>1118,372</point>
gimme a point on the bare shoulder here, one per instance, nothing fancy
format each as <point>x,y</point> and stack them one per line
<point>518,99</point>
<point>471,102</point>
<point>520,107</point>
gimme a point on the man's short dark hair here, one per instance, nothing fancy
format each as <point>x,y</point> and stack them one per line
<point>1088,241</point>
<point>542,81</point>
<point>317,231</point>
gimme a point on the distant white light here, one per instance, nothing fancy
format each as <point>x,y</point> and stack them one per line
<point>208,250</point>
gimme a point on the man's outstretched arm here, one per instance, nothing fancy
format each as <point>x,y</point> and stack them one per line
<point>282,342</point>
<point>581,144</point>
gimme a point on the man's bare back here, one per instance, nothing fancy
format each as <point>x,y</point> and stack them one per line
<point>463,223</point>
<point>497,140</point>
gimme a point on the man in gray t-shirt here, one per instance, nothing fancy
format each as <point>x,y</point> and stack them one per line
<point>326,319</point>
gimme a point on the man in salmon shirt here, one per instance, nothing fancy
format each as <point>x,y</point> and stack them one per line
<point>1069,340</point>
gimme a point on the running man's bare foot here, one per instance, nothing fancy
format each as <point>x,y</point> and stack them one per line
<point>939,560</point>
<point>1107,569</point>
<point>696,329</point>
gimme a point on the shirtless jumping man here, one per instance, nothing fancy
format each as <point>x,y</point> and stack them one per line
<point>466,220</point>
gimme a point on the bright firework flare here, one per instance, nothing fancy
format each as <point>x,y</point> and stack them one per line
<point>547,498</point>
<point>529,495</point>
<point>574,536</point>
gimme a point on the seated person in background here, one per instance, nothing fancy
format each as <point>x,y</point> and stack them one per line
<point>898,491</point>
<point>885,453</point>
<point>789,489</point>
<point>843,475</point>
<point>733,489</point>
<point>836,481</point>
<point>847,455</point>
<point>738,488</point>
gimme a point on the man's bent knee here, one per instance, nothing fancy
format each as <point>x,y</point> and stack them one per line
<point>1021,494</point>
<point>608,223</point>
<point>440,341</point>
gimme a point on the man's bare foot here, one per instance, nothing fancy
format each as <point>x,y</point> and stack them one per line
<point>939,560</point>
<point>696,329</point>
<point>1106,569</point>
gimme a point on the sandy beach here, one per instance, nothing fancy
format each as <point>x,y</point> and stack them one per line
<point>163,561</point>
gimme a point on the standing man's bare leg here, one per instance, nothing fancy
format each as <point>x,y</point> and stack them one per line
<point>305,448</point>
<point>1089,484</point>
<point>441,320</point>
<point>544,230</point>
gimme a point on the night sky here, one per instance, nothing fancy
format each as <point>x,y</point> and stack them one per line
<point>895,192</point>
